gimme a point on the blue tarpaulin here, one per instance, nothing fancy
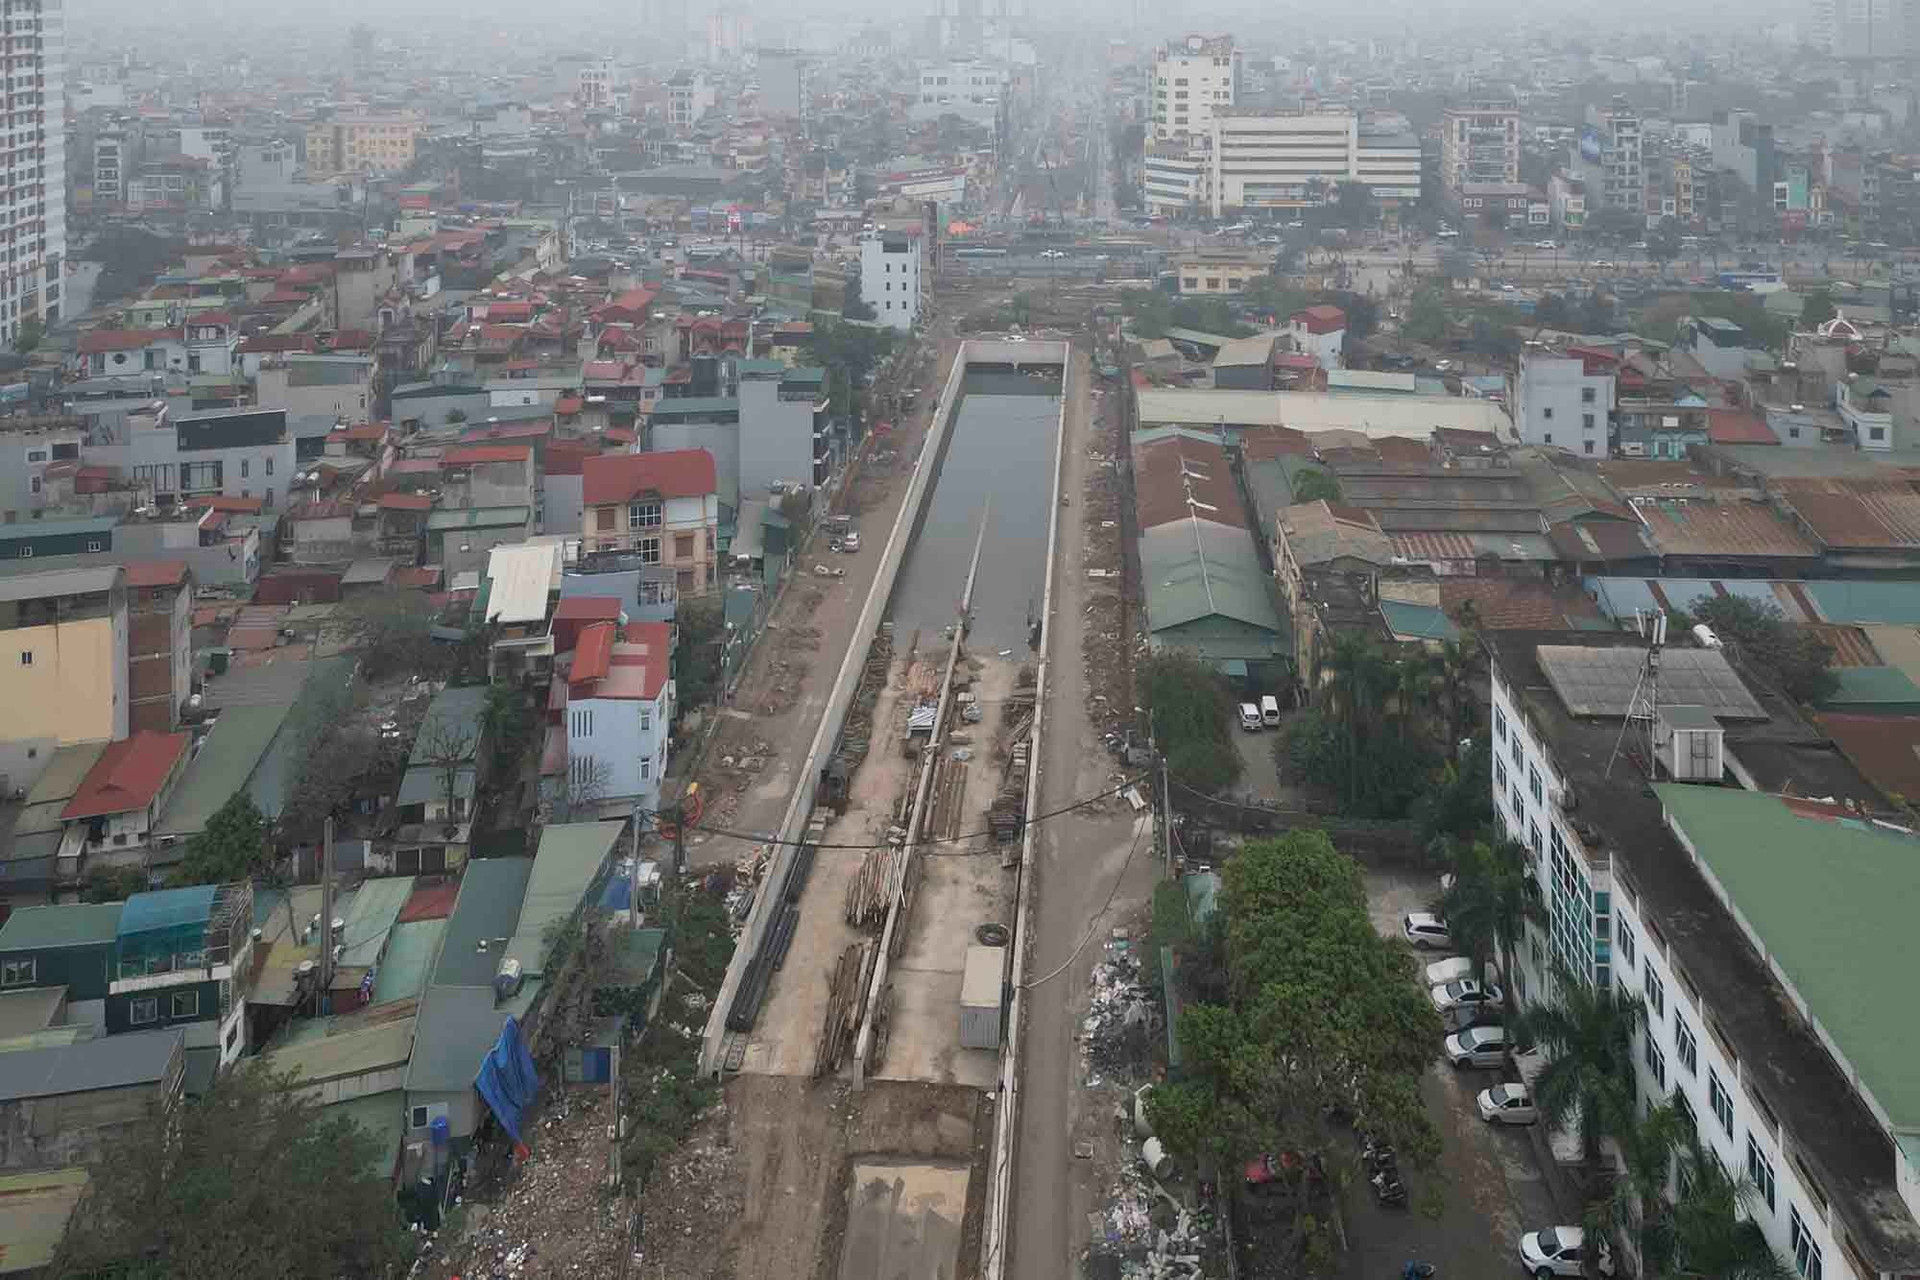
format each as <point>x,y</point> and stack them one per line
<point>507,1079</point>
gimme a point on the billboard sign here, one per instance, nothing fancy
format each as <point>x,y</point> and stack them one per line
<point>1590,144</point>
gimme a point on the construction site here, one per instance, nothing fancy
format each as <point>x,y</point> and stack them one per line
<point>866,1009</point>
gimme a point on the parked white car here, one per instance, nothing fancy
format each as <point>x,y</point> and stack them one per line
<point>1507,1104</point>
<point>1477,1047</point>
<point>1424,929</point>
<point>1250,718</point>
<point>1441,972</point>
<point>1464,994</point>
<point>1560,1251</point>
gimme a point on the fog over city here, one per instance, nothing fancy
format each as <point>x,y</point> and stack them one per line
<point>971,640</point>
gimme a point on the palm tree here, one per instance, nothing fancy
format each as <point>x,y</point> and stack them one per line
<point>1637,1207</point>
<point>1490,900</point>
<point>1454,668</point>
<point>1413,679</point>
<point>1586,1036</point>
<point>1709,1231</point>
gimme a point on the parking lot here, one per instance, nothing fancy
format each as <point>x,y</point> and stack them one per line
<point>1489,1183</point>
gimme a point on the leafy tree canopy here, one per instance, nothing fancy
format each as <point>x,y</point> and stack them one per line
<point>1313,485</point>
<point>1794,658</point>
<point>233,846</point>
<point>1193,719</point>
<point>247,1180</point>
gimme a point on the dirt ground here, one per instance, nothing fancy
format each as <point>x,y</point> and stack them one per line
<point>763,1188</point>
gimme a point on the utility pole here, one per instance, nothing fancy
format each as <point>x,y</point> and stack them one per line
<point>325,967</point>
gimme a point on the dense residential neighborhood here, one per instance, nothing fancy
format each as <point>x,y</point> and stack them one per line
<point>982,642</point>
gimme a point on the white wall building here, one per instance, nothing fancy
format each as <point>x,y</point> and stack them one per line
<point>1176,177</point>
<point>1557,402</point>
<point>970,90</point>
<point>1291,160</point>
<point>1191,79</point>
<point>1673,893</point>
<point>619,703</point>
<point>890,276</point>
<point>35,202</point>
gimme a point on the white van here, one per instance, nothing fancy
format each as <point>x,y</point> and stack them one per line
<point>1270,711</point>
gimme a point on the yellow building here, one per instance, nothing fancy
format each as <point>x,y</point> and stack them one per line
<point>361,144</point>
<point>1204,272</point>
<point>63,661</point>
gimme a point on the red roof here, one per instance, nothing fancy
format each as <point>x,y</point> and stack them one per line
<point>1737,426</point>
<point>270,343</point>
<point>590,608</point>
<point>156,573</point>
<point>507,431</point>
<point>205,318</point>
<point>593,655</point>
<point>360,431</point>
<point>128,775</point>
<point>280,296</point>
<point>501,310</point>
<point>568,404</point>
<point>620,435</point>
<point>1324,318</point>
<point>405,502</point>
<point>423,577</point>
<point>96,341</point>
<point>415,467</point>
<point>472,454</point>
<point>566,457</point>
<point>676,473</point>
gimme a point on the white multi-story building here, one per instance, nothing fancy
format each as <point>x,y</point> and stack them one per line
<point>33,162</point>
<point>1175,177</point>
<point>1480,143</point>
<point>1559,402</point>
<point>890,276</point>
<point>970,90</point>
<point>1609,156</point>
<point>1294,159</point>
<point>619,704</point>
<point>1765,934</point>
<point>1191,80</point>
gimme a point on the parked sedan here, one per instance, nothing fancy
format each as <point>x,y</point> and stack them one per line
<point>1441,972</point>
<point>1477,1047</point>
<point>1250,718</point>
<point>1560,1251</point>
<point>1424,929</point>
<point>1507,1104</point>
<point>1464,994</point>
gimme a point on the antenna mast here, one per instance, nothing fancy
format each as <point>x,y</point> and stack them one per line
<point>1643,708</point>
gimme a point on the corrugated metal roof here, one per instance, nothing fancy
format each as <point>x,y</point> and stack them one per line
<point>1857,514</point>
<point>1725,528</point>
<point>569,858</point>
<point>1863,602</point>
<point>225,761</point>
<point>111,1062</point>
<point>376,906</point>
<point>70,924</point>
<point>487,910</point>
<point>335,1057</point>
<point>1198,569</point>
<point>1873,686</point>
<point>57,582</point>
<point>34,1208</point>
<point>523,576</point>
<point>411,950</point>
<point>1410,621</point>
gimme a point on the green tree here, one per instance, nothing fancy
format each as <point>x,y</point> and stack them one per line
<point>1710,1231</point>
<point>1817,309</point>
<point>1794,658</point>
<point>1270,1061</point>
<point>392,628</point>
<point>112,884</point>
<point>1192,713</point>
<point>1490,901</point>
<point>456,416</point>
<point>31,332</point>
<point>1426,320</point>
<point>1663,242</point>
<point>1354,205</point>
<point>234,845</point>
<point>1315,485</point>
<point>1637,1204</point>
<point>699,623</point>
<point>249,1179</point>
<point>1586,1034</point>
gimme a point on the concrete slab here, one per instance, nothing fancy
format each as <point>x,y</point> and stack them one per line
<point>904,1222</point>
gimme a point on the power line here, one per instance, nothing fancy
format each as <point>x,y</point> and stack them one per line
<point>1093,921</point>
<point>882,844</point>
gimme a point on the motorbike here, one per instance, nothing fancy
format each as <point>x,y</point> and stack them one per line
<point>1388,1188</point>
<point>1417,1271</point>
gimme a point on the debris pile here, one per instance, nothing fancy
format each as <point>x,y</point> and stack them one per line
<point>1151,1234</point>
<point>1123,1017</point>
<point>846,992</point>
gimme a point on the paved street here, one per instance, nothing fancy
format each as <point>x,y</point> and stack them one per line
<point>1077,862</point>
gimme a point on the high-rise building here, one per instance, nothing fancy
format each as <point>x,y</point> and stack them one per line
<point>1864,28</point>
<point>1191,79</point>
<point>1609,157</point>
<point>33,44</point>
<point>1480,142</point>
<point>1274,160</point>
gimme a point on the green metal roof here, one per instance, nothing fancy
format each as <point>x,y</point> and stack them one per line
<point>356,1051</point>
<point>68,925</point>
<point>476,518</point>
<point>223,764</point>
<point>1196,569</point>
<point>370,918</point>
<point>683,406</point>
<point>1873,686</point>
<point>1418,621</point>
<point>1859,601</point>
<point>1830,903</point>
<point>411,951</point>
<point>570,857</point>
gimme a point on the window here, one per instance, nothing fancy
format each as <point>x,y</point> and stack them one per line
<point>683,546</point>
<point>1625,945</point>
<point>1548,439</point>
<point>1720,1100</point>
<point>1586,422</point>
<point>583,723</point>
<point>649,551</point>
<point>246,468</point>
<point>646,770</point>
<point>1589,446</point>
<point>1656,997</point>
<point>94,544</point>
<point>1499,776</point>
<point>186,1004</point>
<point>1586,395</point>
<point>1876,433</point>
<point>269,466</point>
<point>1806,1253</point>
<point>17,973</point>
<point>1656,1060</point>
<point>26,657</point>
<point>26,553</point>
<point>1760,1171</point>
<point>1682,1105</point>
<point>603,518</point>
<point>1547,413</point>
<point>1519,753</point>
<point>142,1011</point>
<point>643,515</point>
<point>1499,725</point>
<point>1685,1047</point>
<point>646,719</point>
<point>1533,784</point>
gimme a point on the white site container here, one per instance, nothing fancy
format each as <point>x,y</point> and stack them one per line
<point>980,989</point>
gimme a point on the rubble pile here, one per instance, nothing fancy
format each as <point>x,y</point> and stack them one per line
<point>1150,1234</point>
<point>1116,1037</point>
